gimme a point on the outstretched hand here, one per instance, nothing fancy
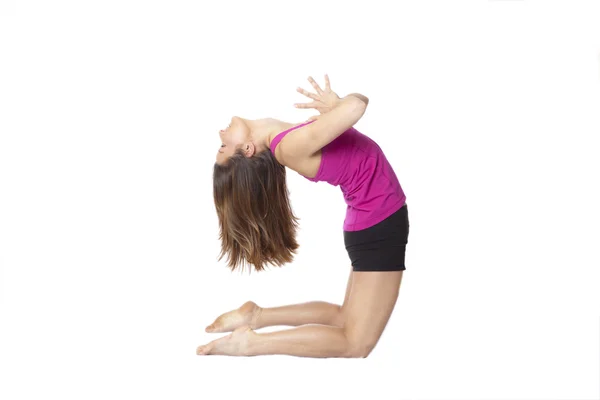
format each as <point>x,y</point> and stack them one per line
<point>324,100</point>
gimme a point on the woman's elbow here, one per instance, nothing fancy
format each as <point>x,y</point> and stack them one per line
<point>362,98</point>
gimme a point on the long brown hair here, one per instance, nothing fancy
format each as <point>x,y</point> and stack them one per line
<point>256,221</point>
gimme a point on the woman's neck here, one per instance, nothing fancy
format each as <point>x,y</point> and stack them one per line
<point>264,130</point>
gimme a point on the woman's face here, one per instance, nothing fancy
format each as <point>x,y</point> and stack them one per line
<point>232,137</point>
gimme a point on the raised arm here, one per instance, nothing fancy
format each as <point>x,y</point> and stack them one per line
<point>337,116</point>
<point>332,124</point>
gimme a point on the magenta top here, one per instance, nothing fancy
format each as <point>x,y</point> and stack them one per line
<point>356,164</point>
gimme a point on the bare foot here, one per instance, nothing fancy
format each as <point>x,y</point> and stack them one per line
<point>247,314</point>
<point>234,344</point>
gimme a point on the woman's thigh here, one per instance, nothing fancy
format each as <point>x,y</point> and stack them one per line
<point>371,301</point>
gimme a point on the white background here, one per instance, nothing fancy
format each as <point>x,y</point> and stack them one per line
<point>109,119</point>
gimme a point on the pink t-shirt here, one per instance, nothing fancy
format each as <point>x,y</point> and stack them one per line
<point>356,164</point>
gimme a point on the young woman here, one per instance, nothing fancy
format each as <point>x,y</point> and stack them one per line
<point>258,227</point>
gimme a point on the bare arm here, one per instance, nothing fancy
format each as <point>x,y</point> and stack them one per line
<point>309,139</point>
<point>332,124</point>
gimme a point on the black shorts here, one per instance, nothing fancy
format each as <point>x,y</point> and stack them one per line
<point>381,247</point>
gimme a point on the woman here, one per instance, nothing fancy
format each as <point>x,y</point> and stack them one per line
<point>257,226</point>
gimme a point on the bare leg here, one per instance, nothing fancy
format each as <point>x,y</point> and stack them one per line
<point>250,314</point>
<point>372,299</point>
<point>314,312</point>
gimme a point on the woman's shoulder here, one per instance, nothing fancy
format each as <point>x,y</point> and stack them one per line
<point>284,145</point>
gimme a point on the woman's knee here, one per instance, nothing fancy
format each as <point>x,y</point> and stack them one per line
<point>359,350</point>
<point>359,347</point>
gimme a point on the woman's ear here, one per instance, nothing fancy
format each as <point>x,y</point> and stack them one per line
<point>249,149</point>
